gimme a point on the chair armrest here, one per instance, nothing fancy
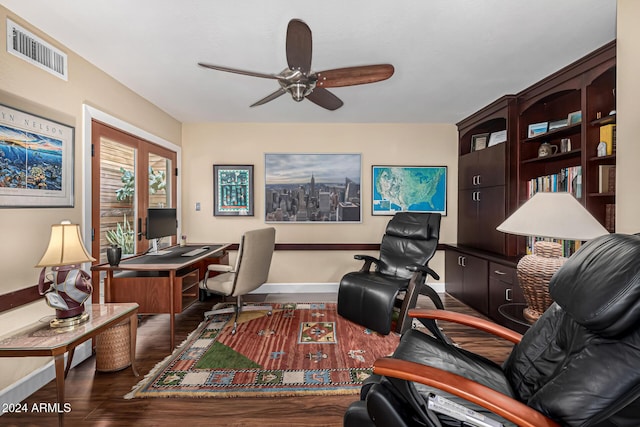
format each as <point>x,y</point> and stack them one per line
<point>424,269</point>
<point>368,260</point>
<point>498,403</point>
<point>465,319</point>
<point>221,268</point>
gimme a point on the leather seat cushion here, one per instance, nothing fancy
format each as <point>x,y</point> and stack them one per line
<point>419,347</point>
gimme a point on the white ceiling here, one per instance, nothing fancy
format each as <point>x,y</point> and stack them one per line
<point>451,57</point>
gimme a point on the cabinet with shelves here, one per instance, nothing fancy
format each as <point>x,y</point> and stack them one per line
<point>485,191</point>
<point>586,86</point>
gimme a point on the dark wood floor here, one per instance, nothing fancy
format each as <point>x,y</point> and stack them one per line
<point>96,398</point>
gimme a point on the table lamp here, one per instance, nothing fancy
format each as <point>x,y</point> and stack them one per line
<point>69,286</point>
<point>549,215</point>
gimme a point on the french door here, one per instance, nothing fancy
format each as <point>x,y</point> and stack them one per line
<point>130,175</point>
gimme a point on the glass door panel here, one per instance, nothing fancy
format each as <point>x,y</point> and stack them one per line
<point>159,191</point>
<point>118,208</point>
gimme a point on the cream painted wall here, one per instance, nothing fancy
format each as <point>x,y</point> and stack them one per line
<point>628,125</point>
<point>25,232</point>
<point>380,144</point>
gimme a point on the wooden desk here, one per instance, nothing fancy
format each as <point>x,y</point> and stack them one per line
<point>39,339</point>
<point>161,284</point>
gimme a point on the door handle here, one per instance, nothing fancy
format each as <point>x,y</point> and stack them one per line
<point>139,229</point>
<point>463,261</point>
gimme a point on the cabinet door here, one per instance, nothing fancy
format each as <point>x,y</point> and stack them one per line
<point>491,166</point>
<point>503,289</point>
<point>476,288</point>
<point>453,274</point>
<point>468,170</point>
<point>491,213</point>
<point>468,227</point>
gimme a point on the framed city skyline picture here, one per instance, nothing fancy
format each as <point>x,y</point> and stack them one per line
<point>408,189</point>
<point>323,188</point>
<point>233,190</point>
<point>36,157</point>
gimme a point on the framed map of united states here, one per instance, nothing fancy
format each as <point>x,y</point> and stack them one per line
<point>408,189</point>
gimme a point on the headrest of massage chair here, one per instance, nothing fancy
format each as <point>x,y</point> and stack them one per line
<point>411,225</point>
<point>599,286</point>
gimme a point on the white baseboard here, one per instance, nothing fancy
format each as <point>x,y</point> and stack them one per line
<point>304,288</point>
<point>23,388</point>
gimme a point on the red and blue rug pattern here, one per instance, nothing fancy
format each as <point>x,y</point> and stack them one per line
<point>301,349</point>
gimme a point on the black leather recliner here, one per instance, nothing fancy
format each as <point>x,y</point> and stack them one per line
<point>367,297</point>
<point>578,365</point>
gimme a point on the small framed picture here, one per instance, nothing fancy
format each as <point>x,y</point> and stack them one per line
<point>557,124</point>
<point>575,117</point>
<point>233,190</point>
<point>536,129</point>
<point>479,142</point>
<point>497,137</point>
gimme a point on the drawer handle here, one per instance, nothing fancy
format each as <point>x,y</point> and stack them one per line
<point>501,273</point>
<point>507,294</point>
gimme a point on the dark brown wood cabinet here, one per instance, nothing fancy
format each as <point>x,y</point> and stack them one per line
<point>468,280</point>
<point>503,289</point>
<point>484,187</point>
<point>495,179</point>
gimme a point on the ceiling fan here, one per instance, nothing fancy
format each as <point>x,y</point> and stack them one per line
<point>301,82</point>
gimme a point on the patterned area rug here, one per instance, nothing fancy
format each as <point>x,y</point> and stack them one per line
<point>301,349</point>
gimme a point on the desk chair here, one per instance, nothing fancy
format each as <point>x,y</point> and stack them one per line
<point>249,273</point>
<point>576,366</point>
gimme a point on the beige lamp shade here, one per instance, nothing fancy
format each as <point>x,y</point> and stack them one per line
<point>553,215</point>
<point>65,247</point>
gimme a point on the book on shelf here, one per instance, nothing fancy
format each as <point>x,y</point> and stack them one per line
<point>606,178</point>
<point>567,180</point>
<point>610,217</point>
<point>608,136</point>
<point>569,247</point>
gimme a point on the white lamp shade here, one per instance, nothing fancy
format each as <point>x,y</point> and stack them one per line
<point>65,247</point>
<point>553,215</point>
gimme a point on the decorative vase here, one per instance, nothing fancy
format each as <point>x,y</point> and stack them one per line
<point>114,253</point>
<point>534,274</point>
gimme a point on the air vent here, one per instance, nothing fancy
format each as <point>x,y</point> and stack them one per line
<point>33,49</point>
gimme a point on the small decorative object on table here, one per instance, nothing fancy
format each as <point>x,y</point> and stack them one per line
<point>114,254</point>
<point>69,286</point>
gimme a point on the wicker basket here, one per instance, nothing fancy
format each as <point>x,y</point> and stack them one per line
<point>113,348</point>
<point>534,273</point>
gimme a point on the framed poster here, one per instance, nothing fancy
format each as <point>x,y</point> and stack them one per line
<point>323,188</point>
<point>408,189</point>
<point>232,190</point>
<point>36,160</point>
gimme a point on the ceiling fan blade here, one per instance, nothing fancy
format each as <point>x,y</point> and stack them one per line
<point>270,97</point>
<point>299,46</point>
<point>325,99</point>
<point>235,70</point>
<point>351,76</point>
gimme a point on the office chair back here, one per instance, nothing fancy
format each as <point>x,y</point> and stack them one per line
<point>253,260</point>
<point>410,238</point>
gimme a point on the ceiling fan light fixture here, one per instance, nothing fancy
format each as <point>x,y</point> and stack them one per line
<point>298,91</point>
